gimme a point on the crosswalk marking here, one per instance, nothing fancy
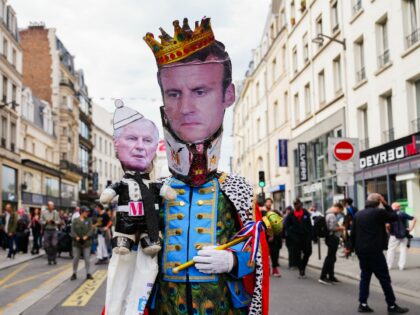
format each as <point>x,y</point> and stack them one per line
<point>85,292</point>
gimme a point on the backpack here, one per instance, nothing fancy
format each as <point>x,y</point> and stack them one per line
<point>320,227</point>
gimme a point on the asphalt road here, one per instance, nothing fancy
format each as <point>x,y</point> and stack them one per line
<point>292,296</point>
<point>288,294</point>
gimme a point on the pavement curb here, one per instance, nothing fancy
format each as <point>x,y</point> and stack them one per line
<point>15,262</point>
<point>357,278</point>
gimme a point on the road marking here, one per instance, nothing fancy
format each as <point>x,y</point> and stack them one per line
<point>42,286</point>
<point>85,292</point>
<point>14,273</point>
<point>34,277</point>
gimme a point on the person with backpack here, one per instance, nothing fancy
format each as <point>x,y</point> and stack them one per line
<point>274,242</point>
<point>399,231</point>
<point>299,231</point>
<point>332,240</point>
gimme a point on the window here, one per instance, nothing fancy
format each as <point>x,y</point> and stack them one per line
<point>292,12</point>
<point>388,134</point>
<point>272,31</point>
<point>51,187</point>
<point>100,144</point>
<point>14,93</point>
<point>295,60</point>
<point>69,102</point>
<point>83,105</point>
<point>258,129</point>
<point>285,108</point>
<point>416,122</point>
<point>382,42</point>
<point>413,20</point>
<point>338,85</point>
<point>9,183</point>
<point>305,48</point>
<point>106,169</point>
<point>14,60</point>
<point>257,91</point>
<point>99,166</point>
<point>276,114</point>
<point>284,58</point>
<point>360,60</point>
<point>94,139</point>
<point>3,131</point>
<point>321,87</point>
<point>13,136</point>
<point>296,108</point>
<point>84,159</point>
<point>5,47</point>
<point>357,6</point>
<point>307,100</point>
<point>106,146</point>
<point>4,99</point>
<point>283,18</point>
<point>363,128</point>
<point>318,28</point>
<point>84,130</point>
<point>274,70</point>
<point>334,17</point>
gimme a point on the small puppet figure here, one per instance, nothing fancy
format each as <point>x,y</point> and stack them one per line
<point>135,140</point>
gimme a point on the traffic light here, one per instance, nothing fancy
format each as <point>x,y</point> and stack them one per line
<point>261,199</point>
<point>261,176</point>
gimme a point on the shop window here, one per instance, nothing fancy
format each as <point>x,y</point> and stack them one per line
<point>9,184</point>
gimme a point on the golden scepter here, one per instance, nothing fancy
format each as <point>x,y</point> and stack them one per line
<point>272,222</point>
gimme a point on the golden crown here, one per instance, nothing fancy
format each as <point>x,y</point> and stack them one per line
<point>184,43</point>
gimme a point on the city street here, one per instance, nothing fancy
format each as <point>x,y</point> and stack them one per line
<point>34,288</point>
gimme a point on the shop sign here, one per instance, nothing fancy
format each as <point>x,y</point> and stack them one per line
<point>391,151</point>
<point>308,189</point>
<point>282,152</point>
<point>303,162</point>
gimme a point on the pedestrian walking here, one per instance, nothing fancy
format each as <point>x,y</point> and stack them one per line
<point>10,225</point>
<point>369,239</point>
<point>50,221</point>
<point>287,211</point>
<point>399,232</point>
<point>82,233</point>
<point>274,241</point>
<point>103,224</point>
<point>332,240</point>
<point>299,231</point>
<point>22,231</point>
<point>36,231</point>
<point>75,214</point>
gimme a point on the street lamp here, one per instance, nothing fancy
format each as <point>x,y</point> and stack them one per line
<point>319,39</point>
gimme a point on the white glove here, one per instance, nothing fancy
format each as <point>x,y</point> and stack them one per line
<point>107,195</point>
<point>210,260</point>
<point>168,192</point>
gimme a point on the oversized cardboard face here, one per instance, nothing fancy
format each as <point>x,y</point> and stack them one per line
<point>194,100</point>
<point>136,145</point>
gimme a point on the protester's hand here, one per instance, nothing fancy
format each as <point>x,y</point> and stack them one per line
<point>211,260</point>
<point>382,199</point>
<point>77,238</point>
<point>85,237</point>
<point>105,229</point>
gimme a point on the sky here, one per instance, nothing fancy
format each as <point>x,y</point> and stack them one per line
<point>105,36</point>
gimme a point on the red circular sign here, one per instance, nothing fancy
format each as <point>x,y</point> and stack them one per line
<point>343,151</point>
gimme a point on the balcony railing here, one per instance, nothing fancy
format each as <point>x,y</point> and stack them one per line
<point>413,38</point>
<point>388,135</point>
<point>415,125</point>
<point>357,7</point>
<point>383,59</point>
<point>361,74</point>
<point>38,199</point>
<point>67,165</point>
<point>364,144</point>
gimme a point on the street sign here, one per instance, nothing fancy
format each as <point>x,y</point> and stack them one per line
<point>282,147</point>
<point>343,151</point>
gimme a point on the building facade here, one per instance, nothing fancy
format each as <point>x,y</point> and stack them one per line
<point>384,98</point>
<point>106,167</point>
<point>261,117</point>
<point>11,86</point>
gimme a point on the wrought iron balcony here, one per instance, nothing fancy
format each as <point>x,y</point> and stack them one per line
<point>388,135</point>
<point>67,165</point>
<point>383,59</point>
<point>413,38</point>
<point>364,144</point>
<point>361,74</point>
<point>357,7</point>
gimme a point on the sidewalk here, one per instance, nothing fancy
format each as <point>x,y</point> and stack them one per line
<point>19,258</point>
<point>405,282</point>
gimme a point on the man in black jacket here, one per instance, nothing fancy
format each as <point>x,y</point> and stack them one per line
<point>299,231</point>
<point>369,239</point>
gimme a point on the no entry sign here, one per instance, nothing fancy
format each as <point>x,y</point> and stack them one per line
<point>343,151</point>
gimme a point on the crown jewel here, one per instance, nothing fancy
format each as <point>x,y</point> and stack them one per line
<point>184,43</point>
